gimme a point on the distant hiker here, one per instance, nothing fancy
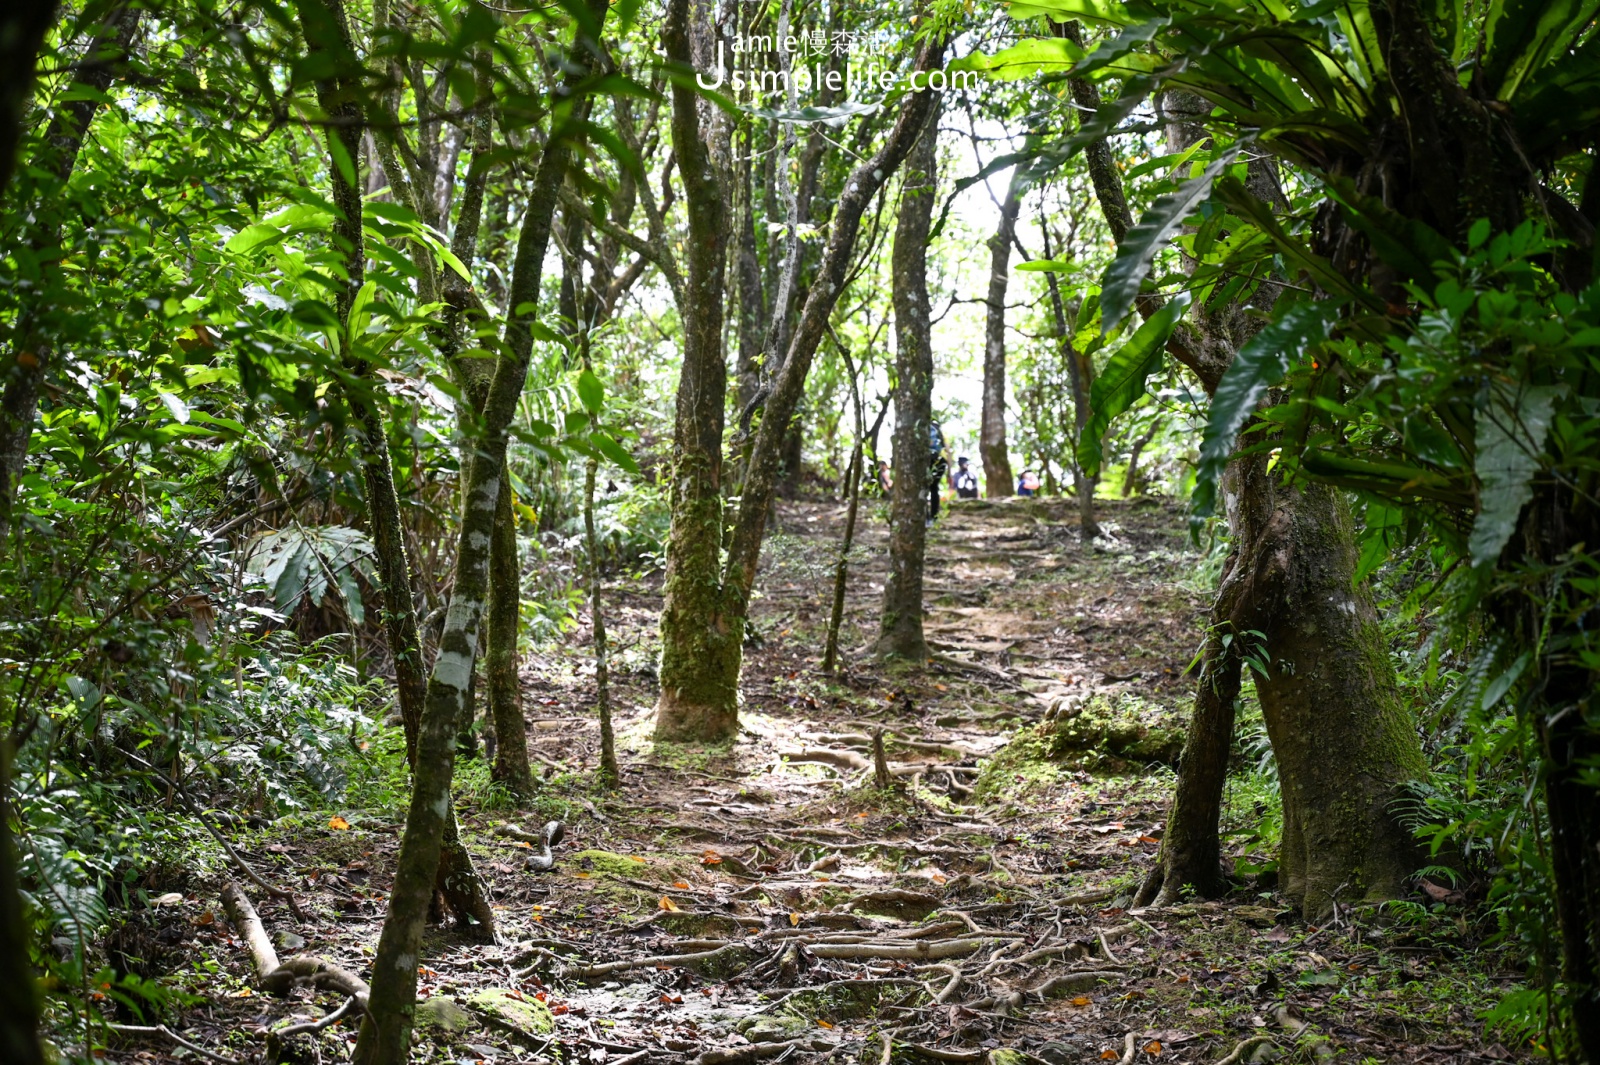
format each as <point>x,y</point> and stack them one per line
<point>937,466</point>
<point>964,482</point>
<point>885,481</point>
<point>1028,483</point>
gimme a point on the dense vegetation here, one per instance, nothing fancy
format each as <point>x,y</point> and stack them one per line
<point>353,351</point>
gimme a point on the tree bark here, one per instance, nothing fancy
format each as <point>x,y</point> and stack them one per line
<point>385,1037</point>
<point>699,642</point>
<point>610,773</point>
<point>997,477</point>
<point>1079,374</point>
<point>1344,742</point>
<point>22,30</point>
<point>863,184</point>
<point>852,494</point>
<point>1131,478</point>
<point>900,628</point>
<point>19,991</point>
<point>326,29</point>
<point>500,659</point>
<point>63,139</point>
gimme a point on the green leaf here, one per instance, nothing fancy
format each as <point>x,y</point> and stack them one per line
<point>1120,285</point>
<point>1510,434</point>
<point>1054,266</point>
<point>591,391</point>
<point>1030,56</point>
<point>1122,383</point>
<point>176,407</point>
<point>252,237</point>
<point>1258,366</point>
<point>1107,11</point>
<point>1523,35</point>
<point>613,451</point>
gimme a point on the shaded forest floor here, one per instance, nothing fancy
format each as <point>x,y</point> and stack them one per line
<point>975,912</point>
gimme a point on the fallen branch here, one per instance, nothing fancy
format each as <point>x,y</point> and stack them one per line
<point>163,1030</point>
<point>753,1052</point>
<point>278,978</point>
<point>1244,1047</point>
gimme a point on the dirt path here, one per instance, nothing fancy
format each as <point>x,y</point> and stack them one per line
<point>767,903</point>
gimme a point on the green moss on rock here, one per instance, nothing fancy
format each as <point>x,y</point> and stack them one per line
<point>1108,733</point>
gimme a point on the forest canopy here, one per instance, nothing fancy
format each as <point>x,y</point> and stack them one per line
<point>637,531</point>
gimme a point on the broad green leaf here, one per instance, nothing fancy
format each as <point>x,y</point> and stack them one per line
<point>591,391</point>
<point>1120,285</point>
<point>252,237</point>
<point>1122,383</point>
<point>176,407</point>
<point>1099,11</point>
<point>1259,365</point>
<point>613,451</point>
<point>1029,56</point>
<point>1510,435</point>
<point>1523,35</point>
<point>1054,266</point>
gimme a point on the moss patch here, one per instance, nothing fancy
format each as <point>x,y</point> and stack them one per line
<point>511,1013</point>
<point>1108,733</point>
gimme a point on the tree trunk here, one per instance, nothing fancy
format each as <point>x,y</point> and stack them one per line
<point>501,658</point>
<point>997,477</point>
<point>1078,373</point>
<point>457,882</point>
<point>19,990</point>
<point>859,190</point>
<point>63,139</point>
<point>900,629</point>
<point>1131,478</point>
<point>699,643</point>
<point>1345,743</point>
<point>852,491</point>
<point>752,302</point>
<point>610,774</point>
<point>385,1037</point>
<point>22,31</point>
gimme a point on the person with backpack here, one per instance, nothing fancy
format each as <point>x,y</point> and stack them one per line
<point>965,482</point>
<point>1028,483</point>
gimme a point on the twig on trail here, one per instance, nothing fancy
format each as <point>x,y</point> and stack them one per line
<point>972,667</point>
<point>1105,948</point>
<point>1244,1047</point>
<point>888,1046</point>
<point>940,1054</point>
<point>205,823</point>
<point>1127,1050</point>
<point>163,1030</point>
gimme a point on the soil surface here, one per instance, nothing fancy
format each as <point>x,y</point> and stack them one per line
<point>766,902</point>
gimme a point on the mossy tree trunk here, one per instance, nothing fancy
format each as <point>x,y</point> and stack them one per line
<point>997,477</point>
<point>385,1037</point>
<point>699,641</point>
<point>326,28</point>
<point>900,628</point>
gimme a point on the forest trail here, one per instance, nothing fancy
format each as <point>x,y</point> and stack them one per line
<point>766,903</point>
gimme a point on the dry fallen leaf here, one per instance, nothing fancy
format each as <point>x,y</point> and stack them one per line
<point>681,884</point>
<point>339,824</point>
<point>668,904</point>
<point>1153,1047</point>
<point>939,878</point>
<point>641,861</point>
<point>1082,1000</point>
<point>1109,1055</point>
<point>824,1023</point>
<point>581,875</point>
<point>794,918</point>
